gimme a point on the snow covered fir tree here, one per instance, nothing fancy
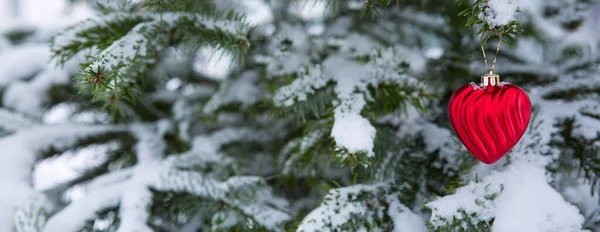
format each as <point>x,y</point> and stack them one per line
<point>281,115</point>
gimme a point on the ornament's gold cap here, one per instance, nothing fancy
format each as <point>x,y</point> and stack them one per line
<point>490,79</point>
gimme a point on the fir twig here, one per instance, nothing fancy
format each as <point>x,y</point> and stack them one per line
<point>473,11</point>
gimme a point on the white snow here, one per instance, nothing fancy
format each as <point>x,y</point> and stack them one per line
<point>46,15</point>
<point>173,84</point>
<point>59,113</point>
<point>404,219</point>
<point>20,62</point>
<point>338,207</point>
<point>500,12</point>
<point>136,197</point>
<point>263,206</point>
<point>70,35</point>
<point>73,217</point>
<point>196,184</point>
<point>26,69</point>
<point>350,130</point>
<point>518,198</point>
<point>242,90</point>
<point>64,113</point>
<point>580,194</point>
<point>33,103</point>
<point>587,34</point>
<point>342,205</point>
<point>309,9</point>
<point>258,12</point>
<point>304,145</point>
<point>129,188</point>
<point>14,121</point>
<point>133,47</point>
<point>32,215</point>
<point>71,163</point>
<point>20,151</point>
<point>4,44</point>
<point>107,179</point>
<point>213,63</point>
<point>436,138</point>
<point>281,61</point>
<point>125,50</point>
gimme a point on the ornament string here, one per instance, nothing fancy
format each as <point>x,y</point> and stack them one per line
<point>495,57</point>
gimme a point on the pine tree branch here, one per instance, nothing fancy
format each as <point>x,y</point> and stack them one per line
<point>479,13</point>
<point>579,154</point>
<point>129,52</point>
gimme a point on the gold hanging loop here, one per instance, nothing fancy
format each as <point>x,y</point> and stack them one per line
<point>497,51</point>
<point>487,69</point>
<point>490,79</point>
<point>495,57</point>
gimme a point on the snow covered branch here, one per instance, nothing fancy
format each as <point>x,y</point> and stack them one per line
<point>20,153</point>
<point>242,90</point>
<point>359,207</point>
<point>516,199</point>
<point>129,44</point>
<point>351,131</point>
<point>129,189</point>
<point>77,213</point>
<point>496,17</point>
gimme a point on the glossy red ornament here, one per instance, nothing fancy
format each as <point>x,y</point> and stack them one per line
<point>489,118</point>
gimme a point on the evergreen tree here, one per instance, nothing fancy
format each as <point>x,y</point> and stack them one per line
<point>331,116</point>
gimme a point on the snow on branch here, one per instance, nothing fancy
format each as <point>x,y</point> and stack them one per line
<point>34,103</point>
<point>127,50</point>
<point>29,61</point>
<point>495,16</point>
<point>358,207</point>
<point>136,198</point>
<point>74,217</point>
<point>499,12</point>
<point>129,189</point>
<point>242,90</point>
<point>110,178</point>
<point>110,6</point>
<point>587,34</point>
<point>126,45</point>
<point>13,66</point>
<point>25,69</point>
<point>225,221</point>
<point>209,145</point>
<point>205,151</point>
<point>102,31</point>
<point>14,121</point>
<point>516,199</point>
<point>351,131</point>
<point>290,51</point>
<point>404,220</point>
<point>296,149</point>
<point>20,151</point>
<point>436,138</point>
<point>93,32</point>
<point>32,216</point>
<point>247,195</point>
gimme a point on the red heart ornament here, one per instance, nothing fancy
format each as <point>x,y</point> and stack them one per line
<point>489,118</point>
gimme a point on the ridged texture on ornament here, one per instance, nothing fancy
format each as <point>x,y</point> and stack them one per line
<point>489,120</point>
